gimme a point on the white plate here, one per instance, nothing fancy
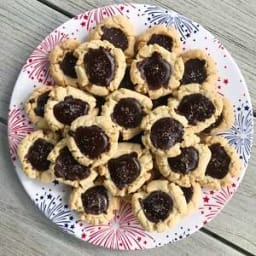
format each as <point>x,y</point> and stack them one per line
<point>124,232</point>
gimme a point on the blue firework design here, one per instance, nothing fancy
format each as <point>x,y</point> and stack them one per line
<point>158,15</point>
<point>54,208</point>
<point>241,133</point>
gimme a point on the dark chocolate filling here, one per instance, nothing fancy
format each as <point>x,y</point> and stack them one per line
<point>186,162</point>
<point>68,65</point>
<point>115,36</point>
<point>194,72</point>
<point>218,166</point>
<point>40,103</point>
<point>166,132</point>
<point>188,193</point>
<point>128,113</point>
<point>162,101</point>
<point>214,125</point>
<point>124,169</point>
<point>68,168</point>
<point>157,206</point>
<point>162,40</point>
<point>126,81</point>
<point>38,153</point>
<point>155,70</point>
<point>95,200</point>
<point>100,66</point>
<point>196,108</point>
<point>91,140</point>
<point>68,110</point>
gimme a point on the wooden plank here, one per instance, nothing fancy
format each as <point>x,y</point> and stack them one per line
<point>231,21</point>
<point>23,26</point>
<point>25,231</point>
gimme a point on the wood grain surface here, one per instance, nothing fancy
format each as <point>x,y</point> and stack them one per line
<point>23,229</point>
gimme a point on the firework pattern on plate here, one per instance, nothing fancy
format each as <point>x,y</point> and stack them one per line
<point>52,205</point>
<point>158,15</point>
<point>88,19</point>
<point>18,127</point>
<point>214,201</point>
<point>117,233</point>
<point>37,65</point>
<point>240,135</point>
<point>123,232</point>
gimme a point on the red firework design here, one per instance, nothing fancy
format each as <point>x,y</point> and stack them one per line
<point>37,66</point>
<point>18,128</point>
<point>96,15</point>
<point>123,232</point>
<point>214,201</point>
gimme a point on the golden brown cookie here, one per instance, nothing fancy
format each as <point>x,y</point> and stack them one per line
<point>165,132</point>
<point>224,121</point>
<point>201,107</point>
<point>35,106</point>
<point>199,68</point>
<point>127,109</point>
<point>118,30</point>
<point>65,169</point>
<point>187,167</point>
<point>94,203</point>
<point>166,37</point>
<point>127,170</point>
<point>159,205</point>
<point>62,63</point>
<point>100,67</point>
<point>33,152</point>
<point>223,165</point>
<point>65,104</point>
<point>193,196</point>
<point>156,71</point>
<point>92,140</point>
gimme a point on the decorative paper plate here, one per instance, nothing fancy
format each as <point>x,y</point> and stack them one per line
<point>124,232</point>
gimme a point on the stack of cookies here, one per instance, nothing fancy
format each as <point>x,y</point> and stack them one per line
<point>132,118</point>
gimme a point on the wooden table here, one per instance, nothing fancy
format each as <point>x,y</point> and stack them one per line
<point>23,229</point>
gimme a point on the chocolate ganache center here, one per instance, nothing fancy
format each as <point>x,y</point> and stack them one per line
<point>162,40</point>
<point>124,169</point>
<point>68,65</point>
<point>38,153</point>
<point>166,132</point>
<point>100,66</point>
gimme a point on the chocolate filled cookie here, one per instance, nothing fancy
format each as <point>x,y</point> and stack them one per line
<point>65,169</point>
<point>94,203</point>
<point>224,163</point>
<point>159,205</point>
<point>224,121</point>
<point>117,30</point>
<point>127,109</point>
<point>62,63</point>
<point>33,152</point>
<point>35,106</point>
<point>187,167</point>
<point>201,107</point>
<point>193,196</point>
<point>92,140</point>
<point>165,132</point>
<point>199,69</point>
<point>156,71</point>
<point>100,67</point>
<point>66,104</point>
<point>166,37</point>
<point>127,170</point>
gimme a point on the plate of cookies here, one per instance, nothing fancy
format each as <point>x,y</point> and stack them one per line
<point>130,126</point>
